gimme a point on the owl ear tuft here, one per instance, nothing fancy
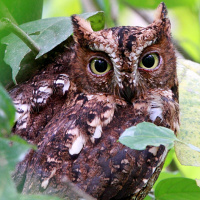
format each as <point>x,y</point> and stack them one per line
<point>161,12</point>
<point>80,27</point>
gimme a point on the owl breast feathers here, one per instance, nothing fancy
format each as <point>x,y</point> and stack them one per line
<point>78,105</point>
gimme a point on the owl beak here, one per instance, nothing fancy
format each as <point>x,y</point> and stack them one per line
<point>128,93</point>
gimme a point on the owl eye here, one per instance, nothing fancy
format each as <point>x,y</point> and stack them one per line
<point>149,61</point>
<point>99,66</point>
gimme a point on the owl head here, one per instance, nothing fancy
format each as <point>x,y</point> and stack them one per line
<point>125,61</point>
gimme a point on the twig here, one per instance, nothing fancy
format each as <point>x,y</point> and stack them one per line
<point>8,24</point>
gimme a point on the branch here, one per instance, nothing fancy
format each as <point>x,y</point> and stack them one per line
<point>8,24</point>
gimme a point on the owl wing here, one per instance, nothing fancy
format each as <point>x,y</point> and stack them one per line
<point>80,144</point>
<point>33,100</point>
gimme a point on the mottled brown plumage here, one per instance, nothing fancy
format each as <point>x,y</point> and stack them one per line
<point>76,108</point>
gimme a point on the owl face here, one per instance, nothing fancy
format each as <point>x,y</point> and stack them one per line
<point>125,61</point>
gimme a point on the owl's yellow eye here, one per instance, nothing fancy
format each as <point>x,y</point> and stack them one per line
<point>149,61</point>
<point>99,66</point>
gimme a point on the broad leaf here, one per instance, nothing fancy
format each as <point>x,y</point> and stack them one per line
<point>12,151</point>
<point>187,171</point>
<point>147,198</point>
<point>166,174</point>
<point>145,134</point>
<point>47,33</point>
<point>38,197</point>
<point>10,154</point>
<point>7,186</point>
<point>189,92</point>
<point>22,11</point>
<point>7,112</point>
<point>177,189</point>
<point>59,31</point>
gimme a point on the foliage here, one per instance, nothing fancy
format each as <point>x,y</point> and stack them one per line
<point>47,33</point>
<point>145,133</point>
<point>56,30</point>
<point>6,112</point>
<point>148,134</point>
<point>189,130</point>
<point>177,189</point>
<point>19,12</point>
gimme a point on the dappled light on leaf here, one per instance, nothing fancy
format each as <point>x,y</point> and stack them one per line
<point>147,134</point>
<point>189,78</point>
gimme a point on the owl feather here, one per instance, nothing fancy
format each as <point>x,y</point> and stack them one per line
<point>78,105</point>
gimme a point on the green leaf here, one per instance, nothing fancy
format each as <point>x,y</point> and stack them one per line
<point>22,11</point>
<point>15,52</point>
<point>47,33</point>
<point>167,174</point>
<point>189,96</point>
<point>147,134</point>
<point>18,139</point>
<point>38,197</point>
<point>147,198</point>
<point>187,171</point>
<point>96,19</point>
<point>177,189</point>
<point>60,30</point>
<point>7,112</point>
<point>12,151</point>
<point>7,186</point>
<point>10,154</point>
<point>5,70</point>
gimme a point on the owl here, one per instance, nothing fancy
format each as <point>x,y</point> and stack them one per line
<point>94,87</point>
